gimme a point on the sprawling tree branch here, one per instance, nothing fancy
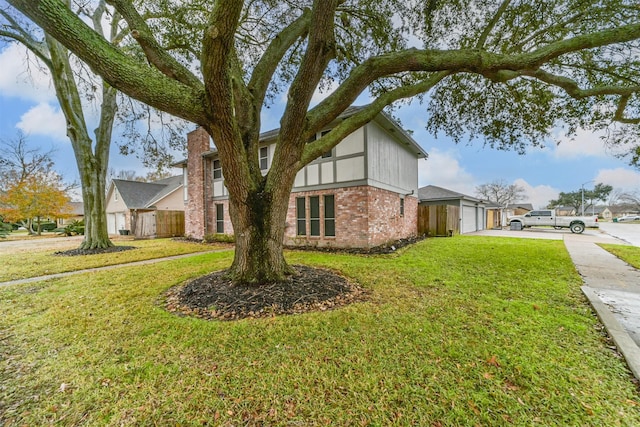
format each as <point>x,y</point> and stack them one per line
<point>15,32</point>
<point>155,53</point>
<point>366,114</point>
<point>119,70</point>
<point>264,70</point>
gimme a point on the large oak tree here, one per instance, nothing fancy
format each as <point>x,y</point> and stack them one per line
<point>508,71</point>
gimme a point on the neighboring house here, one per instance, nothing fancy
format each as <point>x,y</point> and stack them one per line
<point>146,209</point>
<point>360,194</point>
<point>494,215</point>
<point>565,211</point>
<point>76,213</point>
<point>624,209</point>
<point>513,209</point>
<point>602,211</point>
<point>444,212</point>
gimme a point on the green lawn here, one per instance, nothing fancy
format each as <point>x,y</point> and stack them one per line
<point>459,332</point>
<point>629,254</point>
<point>24,264</point>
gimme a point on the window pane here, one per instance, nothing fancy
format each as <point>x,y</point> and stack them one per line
<point>329,209</point>
<point>329,227</point>
<point>314,205</point>
<point>314,217</point>
<point>219,218</point>
<point>315,227</point>
<point>217,169</point>
<point>264,157</point>
<point>301,228</point>
<point>329,216</point>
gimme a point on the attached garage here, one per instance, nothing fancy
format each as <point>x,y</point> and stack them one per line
<point>471,212</point>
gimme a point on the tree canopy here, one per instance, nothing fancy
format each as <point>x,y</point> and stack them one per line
<point>500,192</point>
<point>29,187</point>
<point>577,198</point>
<point>507,71</point>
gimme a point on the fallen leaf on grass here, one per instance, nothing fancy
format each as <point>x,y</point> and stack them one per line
<point>493,361</point>
<point>474,408</point>
<point>587,408</point>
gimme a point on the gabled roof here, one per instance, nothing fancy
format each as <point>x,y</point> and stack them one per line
<point>432,192</point>
<point>142,195</point>
<point>77,208</point>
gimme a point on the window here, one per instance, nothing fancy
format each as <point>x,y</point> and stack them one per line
<point>401,206</point>
<point>217,169</point>
<point>185,184</point>
<point>264,158</point>
<point>329,153</point>
<point>219,218</point>
<point>314,215</point>
<point>329,216</point>
<point>301,217</point>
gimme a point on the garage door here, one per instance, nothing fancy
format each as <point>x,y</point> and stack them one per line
<point>469,219</point>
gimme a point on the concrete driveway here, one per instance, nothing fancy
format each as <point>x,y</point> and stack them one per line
<point>630,233</point>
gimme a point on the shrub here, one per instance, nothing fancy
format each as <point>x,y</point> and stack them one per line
<point>74,227</point>
<point>5,229</point>
<point>219,238</point>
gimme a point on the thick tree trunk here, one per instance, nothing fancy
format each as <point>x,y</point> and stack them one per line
<point>259,224</point>
<point>96,235</point>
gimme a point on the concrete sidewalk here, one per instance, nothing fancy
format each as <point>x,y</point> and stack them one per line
<point>613,289</point>
<point>108,267</point>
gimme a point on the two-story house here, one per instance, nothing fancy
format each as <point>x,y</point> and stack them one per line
<point>361,194</point>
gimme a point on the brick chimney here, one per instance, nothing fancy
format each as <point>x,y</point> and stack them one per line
<point>198,142</point>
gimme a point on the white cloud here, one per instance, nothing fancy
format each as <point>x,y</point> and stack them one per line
<point>23,76</point>
<point>584,144</point>
<point>44,120</point>
<point>620,179</point>
<point>443,169</point>
<point>539,196</point>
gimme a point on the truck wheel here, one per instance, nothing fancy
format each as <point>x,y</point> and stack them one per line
<point>557,227</point>
<point>577,227</point>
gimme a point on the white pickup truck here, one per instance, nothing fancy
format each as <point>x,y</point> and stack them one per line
<point>548,218</point>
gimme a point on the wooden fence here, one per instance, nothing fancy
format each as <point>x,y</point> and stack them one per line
<point>159,224</point>
<point>438,220</point>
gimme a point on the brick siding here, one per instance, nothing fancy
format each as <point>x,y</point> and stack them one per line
<point>365,216</point>
<point>194,221</point>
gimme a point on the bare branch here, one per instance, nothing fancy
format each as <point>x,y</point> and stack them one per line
<point>491,25</point>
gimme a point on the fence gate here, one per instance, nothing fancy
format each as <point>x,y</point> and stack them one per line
<point>438,220</point>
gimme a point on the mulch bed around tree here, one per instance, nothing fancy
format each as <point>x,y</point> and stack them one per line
<point>387,248</point>
<point>111,249</point>
<point>215,297</point>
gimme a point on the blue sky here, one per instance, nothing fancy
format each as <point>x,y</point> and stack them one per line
<point>28,104</point>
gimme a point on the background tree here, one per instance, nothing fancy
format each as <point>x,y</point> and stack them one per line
<point>509,71</point>
<point>631,198</point>
<point>37,197</point>
<point>27,169</point>
<point>600,193</point>
<point>73,84</point>
<point>575,199</point>
<point>571,199</point>
<point>500,192</point>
